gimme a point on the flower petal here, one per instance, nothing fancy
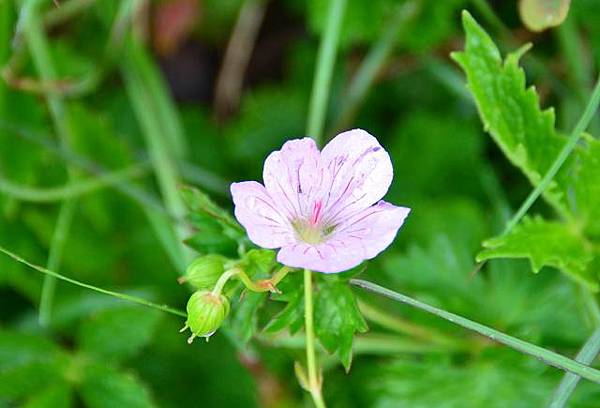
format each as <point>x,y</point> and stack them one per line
<point>362,237</point>
<point>292,176</point>
<point>360,172</point>
<point>255,210</point>
<point>374,228</point>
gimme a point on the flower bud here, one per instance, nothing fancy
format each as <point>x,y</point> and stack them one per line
<point>204,271</point>
<point>206,312</point>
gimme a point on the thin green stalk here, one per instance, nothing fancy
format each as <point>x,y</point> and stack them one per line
<point>164,167</point>
<point>118,295</point>
<point>580,127</point>
<point>369,344</point>
<point>61,232</point>
<point>399,325</point>
<point>314,381</point>
<point>546,356</point>
<point>375,60</point>
<point>32,27</point>
<point>579,70</point>
<point>324,70</point>
<point>570,46</point>
<point>71,190</point>
<point>591,305</point>
<point>447,75</point>
<point>586,355</point>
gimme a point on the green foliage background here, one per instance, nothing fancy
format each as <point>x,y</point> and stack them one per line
<point>462,184</point>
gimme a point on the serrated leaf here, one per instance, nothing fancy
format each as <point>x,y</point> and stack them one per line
<point>546,243</point>
<point>107,387</point>
<point>510,111</point>
<point>337,318</point>
<point>526,134</point>
<point>538,15</point>
<point>118,333</point>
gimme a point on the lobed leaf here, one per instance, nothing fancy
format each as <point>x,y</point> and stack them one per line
<point>546,243</point>
<point>337,318</point>
<point>526,133</point>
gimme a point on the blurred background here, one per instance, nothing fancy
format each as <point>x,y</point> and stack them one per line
<point>107,106</point>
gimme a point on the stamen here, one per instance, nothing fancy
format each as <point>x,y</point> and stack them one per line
<point>316,212</point>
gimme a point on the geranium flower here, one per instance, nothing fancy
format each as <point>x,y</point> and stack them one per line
<point>322,209</point>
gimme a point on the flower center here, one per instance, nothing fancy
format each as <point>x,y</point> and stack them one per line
<point>312,230</point>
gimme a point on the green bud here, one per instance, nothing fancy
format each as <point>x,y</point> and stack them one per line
<point>204,271</point>
<point>206,312</point>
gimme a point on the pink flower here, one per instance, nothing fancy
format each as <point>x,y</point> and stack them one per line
<point>322,209</point>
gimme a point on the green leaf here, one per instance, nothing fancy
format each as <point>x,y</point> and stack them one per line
<point>546,243</point>
<point>17,349</point>
<point>244,319</point>
<point>28,363</point>
<point>56,395</point>
<point>337,318</point>
<point>292,315</point>
<point>210,238</point>
<point>441,273</point>
<point>497,379</point>
<point>258,262</point>
<point>510,111</point>
<point>116,334</point>
<point>106,387</point>
<point>526,133</point>
<point>201,204</point>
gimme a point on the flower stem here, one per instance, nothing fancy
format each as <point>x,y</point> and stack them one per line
<point>544,355</point>
<point>223,279</point>
<point>314,382</point>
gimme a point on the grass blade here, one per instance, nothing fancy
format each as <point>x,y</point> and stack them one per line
<point>546,356</point>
